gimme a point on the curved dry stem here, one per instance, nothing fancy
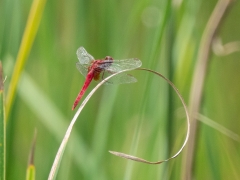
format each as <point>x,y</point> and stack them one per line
<point>134,158</point>
<point>61,149</point>
<point>221,49</point>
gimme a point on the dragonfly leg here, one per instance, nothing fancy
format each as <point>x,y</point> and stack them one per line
<point>104,78</point>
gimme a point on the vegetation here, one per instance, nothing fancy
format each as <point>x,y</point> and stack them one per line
<point>145,119</point>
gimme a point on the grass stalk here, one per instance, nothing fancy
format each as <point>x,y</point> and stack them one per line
<point>2,130</point>
<point>31,167</point>
<point>198,81</point>
<point>30,172</point>
<point>31,28</point>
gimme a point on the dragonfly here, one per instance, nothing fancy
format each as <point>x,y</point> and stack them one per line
<point>102,68</point>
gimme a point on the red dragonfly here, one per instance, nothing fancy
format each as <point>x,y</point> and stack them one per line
<point>101,68</point>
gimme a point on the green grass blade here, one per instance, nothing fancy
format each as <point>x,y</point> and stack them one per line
<point>33,22</point>
<point>53,119</point>
<point>31,172</point>
<point>2,130</point>
<point>31,166</point>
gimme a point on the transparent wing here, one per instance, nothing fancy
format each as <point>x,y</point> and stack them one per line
<point>121,79</point>
<point>119,65</point>
<point>82,68</point>
<point>114,66</point>
<point>83,56</point>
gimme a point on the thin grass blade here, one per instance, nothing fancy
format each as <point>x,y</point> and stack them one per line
<point>31,172</point>
<point>33,22</point>
<point>2,130</point>
<point>31,167</point>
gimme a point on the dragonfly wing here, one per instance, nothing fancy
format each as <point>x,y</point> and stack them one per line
<point>119,65</point>
<point>121,79</point>
<point>83,56</point>
<point>82,68</point>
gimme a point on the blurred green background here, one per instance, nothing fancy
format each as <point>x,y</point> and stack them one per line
<point>143,119</point>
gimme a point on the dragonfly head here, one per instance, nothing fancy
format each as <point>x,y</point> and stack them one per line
<point>108,58</point>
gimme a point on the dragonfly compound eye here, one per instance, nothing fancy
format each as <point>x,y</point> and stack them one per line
<point>108,58</point>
